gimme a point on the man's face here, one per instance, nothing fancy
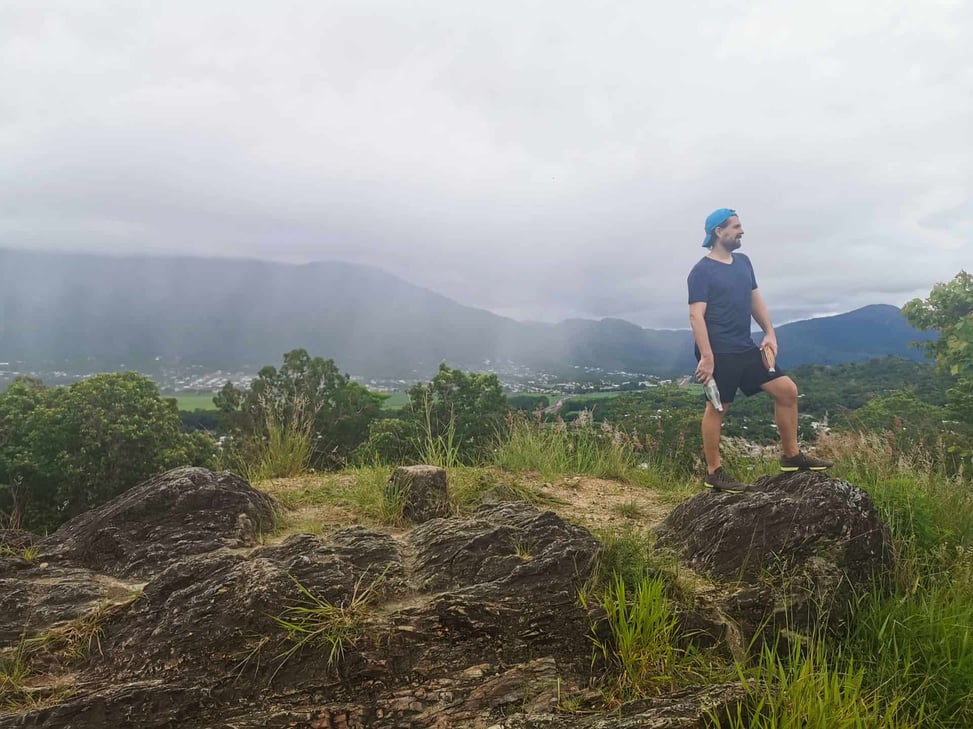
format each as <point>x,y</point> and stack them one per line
<point>730,236</point>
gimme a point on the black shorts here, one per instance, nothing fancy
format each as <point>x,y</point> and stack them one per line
<point>744,371</point>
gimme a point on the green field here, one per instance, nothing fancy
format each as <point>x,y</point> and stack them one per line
<point>193,401</point>
<point>586,396</point>
<point>395,400</point>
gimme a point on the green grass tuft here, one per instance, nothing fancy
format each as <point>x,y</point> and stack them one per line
<point>808,688</point>
<point>316,623</point>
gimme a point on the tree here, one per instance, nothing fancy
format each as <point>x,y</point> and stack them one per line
<point>71,449</point>
<point>949,311</point>
<point>467,408</point>
<point>20,489</point>
<point>307,395</point>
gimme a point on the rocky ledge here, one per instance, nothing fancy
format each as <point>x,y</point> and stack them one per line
<point>189,620</point>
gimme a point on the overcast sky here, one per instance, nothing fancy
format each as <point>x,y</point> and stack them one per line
<point>542,160</point>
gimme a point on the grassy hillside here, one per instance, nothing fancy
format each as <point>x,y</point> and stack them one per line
<point>906,661</point>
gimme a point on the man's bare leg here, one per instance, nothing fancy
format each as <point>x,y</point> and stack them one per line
<point>712,426</point>
<point>784,392</point>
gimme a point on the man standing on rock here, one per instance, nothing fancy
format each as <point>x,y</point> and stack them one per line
<point>723,296</point>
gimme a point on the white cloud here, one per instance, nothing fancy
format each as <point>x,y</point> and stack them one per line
<point>540,159</point>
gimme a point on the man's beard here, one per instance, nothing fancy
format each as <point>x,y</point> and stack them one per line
<point>732,245</point>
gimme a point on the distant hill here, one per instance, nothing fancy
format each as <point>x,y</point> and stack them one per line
<point>243,314</point>
<point>872,331</point>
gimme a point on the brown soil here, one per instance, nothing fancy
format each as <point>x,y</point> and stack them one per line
<point>598,503</point>
<point>595,503</point>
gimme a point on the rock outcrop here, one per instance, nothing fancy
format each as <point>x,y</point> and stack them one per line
<point>460,622</point>
<point>788,558</point>
<point>191,618</point>
<point>182,512</point>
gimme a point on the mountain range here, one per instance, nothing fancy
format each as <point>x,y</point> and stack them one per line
<point>243,314</point>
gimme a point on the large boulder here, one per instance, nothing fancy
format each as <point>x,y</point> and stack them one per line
<point>179,513</point>
<point>789,557</point>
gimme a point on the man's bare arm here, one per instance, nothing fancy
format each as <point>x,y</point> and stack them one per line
<point>697,312</point>
<point>760,315</point>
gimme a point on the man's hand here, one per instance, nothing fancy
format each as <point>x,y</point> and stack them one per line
<point>770,340</point>
<point>704,370</point>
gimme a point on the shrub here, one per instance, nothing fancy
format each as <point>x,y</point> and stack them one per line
<point>391,441</point>
<point>457,415</point>
<point>65,450</point>
<point>307,396</point>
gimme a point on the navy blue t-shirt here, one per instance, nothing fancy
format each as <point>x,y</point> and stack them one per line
<point>727,289</point>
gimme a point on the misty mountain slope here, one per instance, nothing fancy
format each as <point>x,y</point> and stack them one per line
<point>231,312</point>
<point>865,333</point>
<point>243,314</point>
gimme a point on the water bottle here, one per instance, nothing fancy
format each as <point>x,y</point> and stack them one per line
<point>713,394</point>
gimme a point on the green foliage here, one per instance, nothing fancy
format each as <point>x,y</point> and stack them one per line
<point>641,655</point>
<point>317,623</point>
<point>602,450</point>
<point>664,421</point>
<point>909,426</point>
<point>528,403</point>
<point>810,689</point>
<point>286,448</point>
<point>554,449</point>
<point>919,645</point>
<point>22,492</point>
<point>205,420</point>
<point>437,444</point>
<point>900,411</point>
<point>915,646</point>
<point>66,450</point>
<point>626,555</point>
<point>458,414</point>
<point>307,397</point>
<point>828,390</point>
<point>390,441</point>
<point>949,311</point>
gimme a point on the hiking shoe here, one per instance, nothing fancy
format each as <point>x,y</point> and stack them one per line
<point>803,462</point>
<point>719,480</point>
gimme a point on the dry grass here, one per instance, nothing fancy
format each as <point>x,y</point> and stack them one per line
<point>37,671</point>
<point>322,503</point>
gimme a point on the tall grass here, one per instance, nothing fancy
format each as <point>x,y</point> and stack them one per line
<point>35,660</point>
<point>286,444</point>
<point>625,554</point>
<point>15,669</point>
<point>315,622</point>
<point>808,688</point>
<point>641,655</point>
<point>437,446</point>
<point>915,646</point>
<point>555,449</point>
<point>920,646</point>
